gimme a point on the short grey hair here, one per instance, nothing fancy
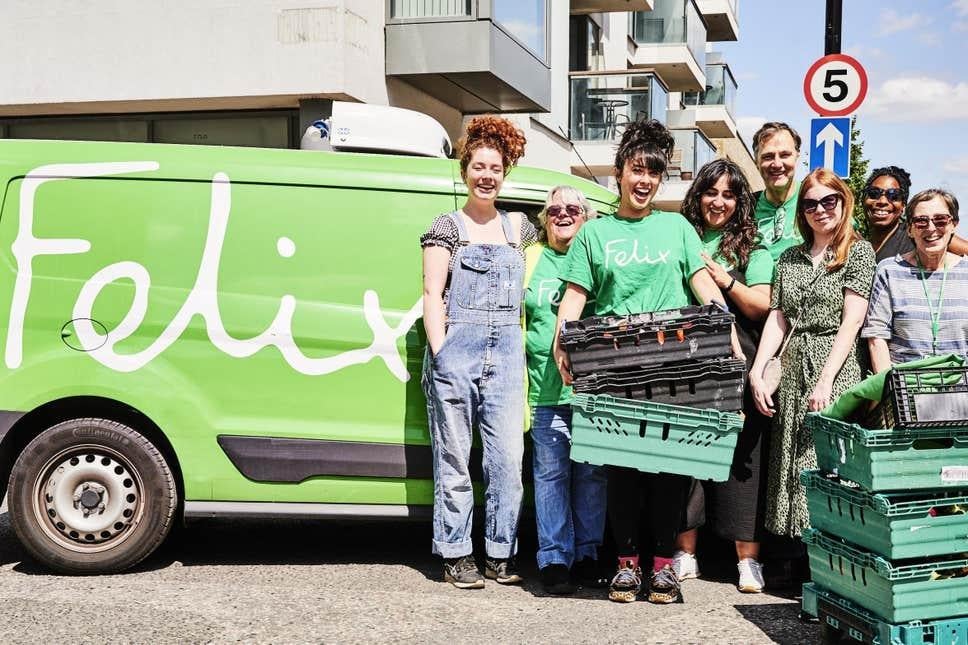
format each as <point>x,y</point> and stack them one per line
<point>946,196</point>
<point>566,192</point>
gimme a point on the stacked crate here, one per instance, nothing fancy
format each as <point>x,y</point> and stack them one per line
<point>656,391</point>
<point>888,547</point>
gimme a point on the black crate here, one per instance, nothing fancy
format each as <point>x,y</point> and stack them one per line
<point>603,343</point>
<point>715,384</point>
<point>922,398</point>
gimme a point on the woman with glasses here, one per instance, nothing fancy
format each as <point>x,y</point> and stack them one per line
<point>820,294</point>
<point>569,498</point>
<point>919,300</point>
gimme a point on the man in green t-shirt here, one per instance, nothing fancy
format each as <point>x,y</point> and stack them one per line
<point>777,149</point>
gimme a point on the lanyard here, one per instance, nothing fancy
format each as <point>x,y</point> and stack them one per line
<point>935,314</point>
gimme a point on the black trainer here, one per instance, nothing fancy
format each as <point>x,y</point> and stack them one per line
<point>463,573</point>
<point>664,587</point>
<point>556,580</point>
<point>503,570</point>
<point>588,573</point>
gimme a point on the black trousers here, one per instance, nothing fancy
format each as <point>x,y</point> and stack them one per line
<point>663,498</point>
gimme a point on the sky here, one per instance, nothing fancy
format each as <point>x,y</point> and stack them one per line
<point>916,57</point>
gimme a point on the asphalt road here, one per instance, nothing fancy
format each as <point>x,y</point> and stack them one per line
<point>302,582</point>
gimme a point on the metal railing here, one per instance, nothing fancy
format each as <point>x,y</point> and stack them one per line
<point>720,89</point>
<point>601,105</point>
<point>417,9</point>
<point>671,22</point>
<point>692,151</point>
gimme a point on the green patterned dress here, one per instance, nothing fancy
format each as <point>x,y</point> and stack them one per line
<point>792,448</point>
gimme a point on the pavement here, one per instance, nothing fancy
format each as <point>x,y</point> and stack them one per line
<point>350,582</point>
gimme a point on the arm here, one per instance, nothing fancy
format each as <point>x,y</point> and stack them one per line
<point>435,264</point>
<point>880,354</point>
<point>855,307</point>
<point>774,330</point>
<point>706,291</point>
<point>879,325</point>
<point>753,301</point>
<point>570,308</point>
<point>958,245</point>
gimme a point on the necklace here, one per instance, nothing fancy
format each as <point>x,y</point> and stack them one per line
<point>934,313</point>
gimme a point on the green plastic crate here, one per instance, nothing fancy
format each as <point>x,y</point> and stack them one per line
<point>883,460</point>
<point>841,621</point>
<point>893,525</point>
<point>896,592</point>
<point>653,437</point>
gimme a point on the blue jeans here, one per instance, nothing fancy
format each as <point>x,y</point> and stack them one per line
<point>569,498</point>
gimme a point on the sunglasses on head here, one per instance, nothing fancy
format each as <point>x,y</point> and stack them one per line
<point>828,203</point>
<point>570,209</point>
<point>893,194</point>
<point>940,220</point>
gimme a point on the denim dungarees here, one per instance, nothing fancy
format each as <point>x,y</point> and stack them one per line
<point>476,379</point>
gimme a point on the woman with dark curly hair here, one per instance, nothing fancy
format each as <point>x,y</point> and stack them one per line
<point>639,259</point>
<point>720,206</point>
<point>473,270</point>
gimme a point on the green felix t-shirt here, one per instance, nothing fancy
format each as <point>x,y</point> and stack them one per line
<point>768,221</point>
<point>759,269</point>
<point>633,266</point>
<point>541,299</point>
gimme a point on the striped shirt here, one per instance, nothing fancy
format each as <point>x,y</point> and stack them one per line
<point>900,313</point>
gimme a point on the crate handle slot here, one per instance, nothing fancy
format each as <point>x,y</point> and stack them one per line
<point>643,424</point>
<point>933,444</point>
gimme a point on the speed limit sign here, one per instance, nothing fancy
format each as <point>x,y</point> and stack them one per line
<point>835,85</point>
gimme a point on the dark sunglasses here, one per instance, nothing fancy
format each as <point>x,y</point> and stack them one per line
<point>893,194</point>
<point>571,209</point>
<point>939,220</point>
<point>828,203</point>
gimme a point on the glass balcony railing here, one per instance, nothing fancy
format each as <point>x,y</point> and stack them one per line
<point>671,22</point>
<point>692,151</point>
<point>417,9</point>
<point>603,104</point>
<point>720,89</point>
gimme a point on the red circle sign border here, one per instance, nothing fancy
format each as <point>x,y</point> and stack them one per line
<point>843,58</point>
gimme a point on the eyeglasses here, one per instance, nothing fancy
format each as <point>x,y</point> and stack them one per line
<point>570,209</point>
<point>940,220</point>
<point>828,203</point>
<point>893,194</point>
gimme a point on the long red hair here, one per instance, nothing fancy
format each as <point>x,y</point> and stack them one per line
<point>845,235</point>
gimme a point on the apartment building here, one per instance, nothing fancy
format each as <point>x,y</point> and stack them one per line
<point>258,72</point>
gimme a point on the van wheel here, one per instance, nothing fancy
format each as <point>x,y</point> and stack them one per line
<point>91,496</point>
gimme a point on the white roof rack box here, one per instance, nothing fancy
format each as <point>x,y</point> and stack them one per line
<point>379,128</point>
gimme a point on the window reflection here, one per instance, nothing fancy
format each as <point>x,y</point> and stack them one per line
<point>526,20</point>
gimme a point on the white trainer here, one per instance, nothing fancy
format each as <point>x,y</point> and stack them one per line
<point>685,565</point>
<point>750,576</point>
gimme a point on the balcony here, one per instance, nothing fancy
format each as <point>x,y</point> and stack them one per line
<point>692,151</point>
<point>722,21</point>
<point>671,40</point>
<point>601,105</point>
<point>714,106</point>
<point>474,55</point>
<point>595,6</point>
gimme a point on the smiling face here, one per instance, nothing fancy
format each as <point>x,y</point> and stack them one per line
<point>828,212</point>
<point>777,160</point>
<point>638,185</point>
<point>883,212</point>
<point>563,217</point>
<point>485,174</point>
<point>931,240</point>
<point>718,203</point>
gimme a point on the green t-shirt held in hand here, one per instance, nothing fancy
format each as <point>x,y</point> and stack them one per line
<point>759,269</point>
<point>631,266</point>
<point>778,224</point>
<point>541,298</point>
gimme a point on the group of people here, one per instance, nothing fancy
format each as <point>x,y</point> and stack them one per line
<point>788,262</point>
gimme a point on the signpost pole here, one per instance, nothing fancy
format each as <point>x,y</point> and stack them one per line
<point>834,19</point>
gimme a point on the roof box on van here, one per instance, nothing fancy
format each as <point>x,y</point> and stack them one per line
<point>359,127</point>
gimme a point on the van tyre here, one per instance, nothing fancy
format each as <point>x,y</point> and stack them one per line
<point>91,496</point>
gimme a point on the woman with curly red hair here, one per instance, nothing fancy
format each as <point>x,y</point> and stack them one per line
<point>473,271</point>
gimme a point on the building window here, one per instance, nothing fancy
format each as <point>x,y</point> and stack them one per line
<point>417,9</point>
<point>585,45</point>
<point>526,20</point>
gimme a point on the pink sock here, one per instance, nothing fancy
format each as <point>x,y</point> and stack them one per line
<point>658,563</point>
<point>633,559</point>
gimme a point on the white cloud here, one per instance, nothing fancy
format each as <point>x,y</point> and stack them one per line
<point>891,22</point>
<point>917,99</point>
<point>748,125</point>
<point>929,38</point>
<point>961,6</point>
<point>957,165</point>
<point>862,52</point>
<point>960,25</point>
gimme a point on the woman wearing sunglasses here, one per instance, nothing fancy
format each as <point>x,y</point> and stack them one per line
<point>569,498</point>
<point>927,280</point>
<point>820,294</point>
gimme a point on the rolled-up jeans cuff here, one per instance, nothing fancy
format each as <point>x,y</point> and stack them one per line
<point>452,550</point>
<point>499,550</point>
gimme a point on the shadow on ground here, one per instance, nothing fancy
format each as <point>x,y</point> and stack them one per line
<point>780,623</point>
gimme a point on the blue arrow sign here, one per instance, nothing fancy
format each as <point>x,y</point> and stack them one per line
<point>830,145</point>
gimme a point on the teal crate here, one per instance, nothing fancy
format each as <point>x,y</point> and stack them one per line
<point>893,525</point>
<point>841,621</point>
<point>653,437</point>
<point>884,460</point>
<point>896,592</point>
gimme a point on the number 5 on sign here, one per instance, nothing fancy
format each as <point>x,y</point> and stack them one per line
<point>835,85</point>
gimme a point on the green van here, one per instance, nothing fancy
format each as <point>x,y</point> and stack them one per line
<point>194,331</point>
